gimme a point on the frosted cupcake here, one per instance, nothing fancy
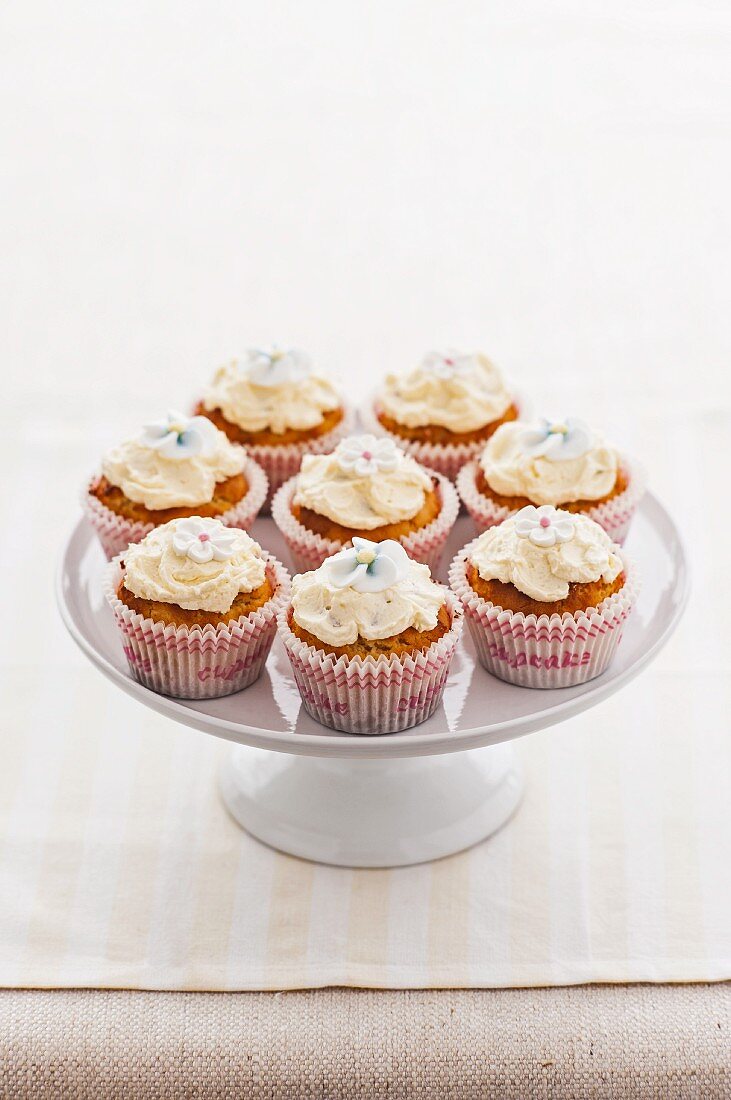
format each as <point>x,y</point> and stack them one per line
<point>178,466</point>
<point>370,637</point>
<point>196,604</point>
<point>444,410</point>
<point>546,595</point>
<point>274,404</point>
<point>547,462</point>
<point>367,488</point>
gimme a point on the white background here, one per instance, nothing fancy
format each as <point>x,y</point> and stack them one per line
<point>546,181</point>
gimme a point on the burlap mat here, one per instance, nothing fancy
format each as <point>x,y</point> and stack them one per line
<point>667,1042</point>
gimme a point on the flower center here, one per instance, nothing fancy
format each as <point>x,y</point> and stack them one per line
<point>367,455</point>
<point>204,538</point>
<point>365,557</point>
<point>559,429</point>
<point>545,521</point>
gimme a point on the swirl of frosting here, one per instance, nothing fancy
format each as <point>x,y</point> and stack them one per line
<point>365,483</point>
<point>271,391</point>
<point>549,463</point>
<point>459,392</point>
<point>198,564</point>
<point>541,551</point>
<point>373,590</point>
<point>174,463</point>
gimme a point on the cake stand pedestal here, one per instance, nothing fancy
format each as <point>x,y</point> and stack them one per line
<point>381,801</point>
<point>372,813</point>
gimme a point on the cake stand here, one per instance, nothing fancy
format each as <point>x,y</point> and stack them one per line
<point>381,801</point>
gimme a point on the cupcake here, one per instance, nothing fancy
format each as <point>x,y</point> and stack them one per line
<point>178,466</point>
<point>546,594</point>
<point>566,464</point>
<point>367,488</point>
<point>277,407</point>
<point>444,410</point>
<point>196,603</point>
<point>370,637</point>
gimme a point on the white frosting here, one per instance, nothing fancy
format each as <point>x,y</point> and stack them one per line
<point>549,463</point>
<point>459,392</point>
<point>271,391</point>
<point>198,564</point>
<point>175,463</point>
<point>364,484</point>
<point>372,590</point>
<point>544,550</point>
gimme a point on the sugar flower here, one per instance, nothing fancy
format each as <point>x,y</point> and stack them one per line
<point>365,455</point>
<point>368,566</point>
<point>545,526</point>
<point>203,540</point>
<point>558,440</point>
<point>178,436</point>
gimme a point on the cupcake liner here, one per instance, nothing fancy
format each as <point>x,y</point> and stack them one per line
<point>446,458</point>
<point>309,549</point>
<point>614,515</point>
<point>544,651</point>
<point>197,662</point>
<point>116,533</point>
<point>371,695</point>
<point>281,462</point>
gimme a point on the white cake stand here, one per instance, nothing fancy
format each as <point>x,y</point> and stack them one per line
<point>381,801</point>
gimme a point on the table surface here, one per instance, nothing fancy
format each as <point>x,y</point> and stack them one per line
<point>548,182</point>
<point>586,1043</point>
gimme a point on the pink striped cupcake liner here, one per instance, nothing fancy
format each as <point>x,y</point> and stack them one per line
<point>115,533</point>
<point>614,515</point>
<point>446,458</point>
<point>544,651</point>
<point>371,695</point>
<point>197,662</point>
<point>280,463</point>
<point>309,549</point>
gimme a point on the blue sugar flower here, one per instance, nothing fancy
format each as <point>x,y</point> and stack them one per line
<point>557,441</point>
<point>369,566</point>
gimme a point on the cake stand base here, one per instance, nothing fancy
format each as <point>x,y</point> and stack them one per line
<point>372,813</point>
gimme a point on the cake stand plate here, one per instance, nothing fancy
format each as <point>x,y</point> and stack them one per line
<point>381,801</point>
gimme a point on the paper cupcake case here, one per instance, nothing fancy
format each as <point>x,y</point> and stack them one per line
<point>116,533</point>
<point>197,662</point>
<point>446,458</point>
<point>614,515</point>
<point>542,651</point>
<point>280,463</point>
<point>309,549</point>
<point>371,695</point>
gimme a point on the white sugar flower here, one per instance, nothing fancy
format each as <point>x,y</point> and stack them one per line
<point>366,455</point>
<point>368,566</point>
<point>544,526</point>
<point>179,436</point>
<point>558,440</point>
<point>449,363</point>
<point>203,540</point>
<point>275,367</point>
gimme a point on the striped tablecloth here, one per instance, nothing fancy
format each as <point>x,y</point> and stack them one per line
<point>120,867</point>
